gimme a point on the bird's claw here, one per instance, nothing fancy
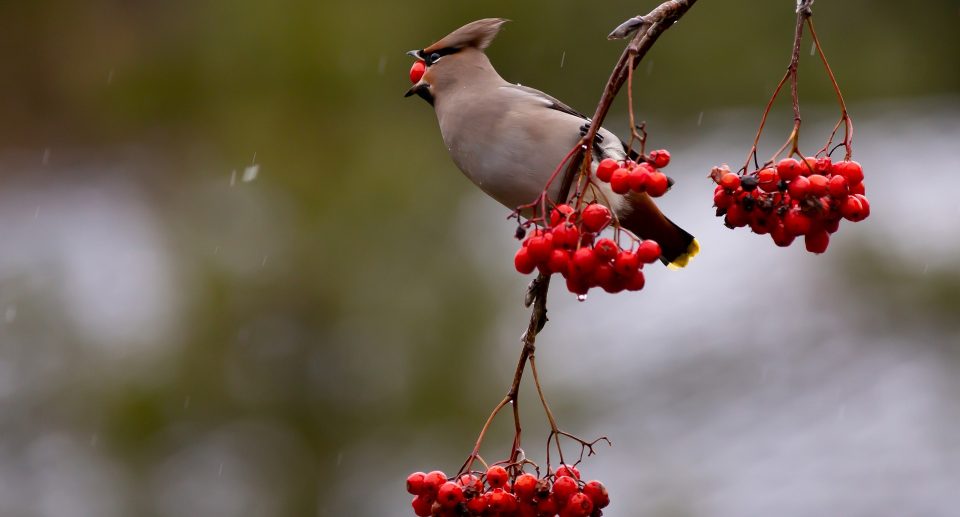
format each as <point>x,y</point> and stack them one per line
<point>585,128</point>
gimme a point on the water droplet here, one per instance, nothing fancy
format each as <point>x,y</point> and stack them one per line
<point>581,297</point>
<point>250,173</point>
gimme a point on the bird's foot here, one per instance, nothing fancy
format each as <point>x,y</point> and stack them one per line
<point>585,128</point>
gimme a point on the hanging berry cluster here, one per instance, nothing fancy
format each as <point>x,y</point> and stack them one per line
<point>790,197</point>
<point>628,175</point>
<point>793,199</point>
<point>567,241</point>
<point>570,247</point>
<point>494,493</point>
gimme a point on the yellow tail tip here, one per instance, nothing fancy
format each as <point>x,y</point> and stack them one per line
<point>683,260</point>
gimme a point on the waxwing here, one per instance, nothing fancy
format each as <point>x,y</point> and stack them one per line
<point>508,139</point>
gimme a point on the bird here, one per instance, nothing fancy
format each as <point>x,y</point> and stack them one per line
<point>508,139</point>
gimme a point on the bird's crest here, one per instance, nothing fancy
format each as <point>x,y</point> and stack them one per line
<point>478,34</point>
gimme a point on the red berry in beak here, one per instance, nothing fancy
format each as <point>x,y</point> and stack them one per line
<point>416,71</point>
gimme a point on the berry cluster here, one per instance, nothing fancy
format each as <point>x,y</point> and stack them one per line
<point>793,198</point>
<point>629,176</point>
<point>570,247</point>
<point>493,493</point>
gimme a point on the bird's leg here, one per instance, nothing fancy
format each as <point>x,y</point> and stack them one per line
<point>597,138</point>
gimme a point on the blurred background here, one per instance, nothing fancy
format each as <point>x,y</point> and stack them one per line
<point>240,276</point>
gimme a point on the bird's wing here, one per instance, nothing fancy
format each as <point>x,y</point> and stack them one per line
<point>553,103</point>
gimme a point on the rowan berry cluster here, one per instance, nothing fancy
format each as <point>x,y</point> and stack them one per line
<point>570,246</point>
<point>626,176</point>
<point>793,198</point>
<point>494,493</point>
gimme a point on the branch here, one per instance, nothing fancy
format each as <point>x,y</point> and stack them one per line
<point>649,28</point>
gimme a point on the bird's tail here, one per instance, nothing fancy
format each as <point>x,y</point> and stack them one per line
<point>644,219</point>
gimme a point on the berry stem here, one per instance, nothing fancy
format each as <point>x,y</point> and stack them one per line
<point>844,116</point>
<point>803,15</point>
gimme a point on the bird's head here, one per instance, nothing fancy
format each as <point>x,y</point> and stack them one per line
<point>441,64</point>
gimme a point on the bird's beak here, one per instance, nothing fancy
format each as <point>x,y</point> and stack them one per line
<point>414,53</point>
<point>417,89</point>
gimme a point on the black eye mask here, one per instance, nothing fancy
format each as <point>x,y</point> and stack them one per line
<point>436,54</point>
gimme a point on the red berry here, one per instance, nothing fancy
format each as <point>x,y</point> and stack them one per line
<point>852,209</point>
<point>470,482</point>
<point>636,281</point>
<point>559,261</point>
<point>859,188</point>
<point>620,181</point>
<point>560,214</point>
<point>799,187</point>
<point>415,483</point>
<point>450,494</point>
<point>660,158</point>
<point>539,247</point>
<point>657,184</point>
<point>768,179</point>
<point>823,165</point>
<point>524,262</point>
<point>649,251</point>
<point>796,223</point>
<point>730,181</point>
<point>838,187</point>
<point>422,505</point>
<point>850,170</point>
<point>501,502</point>
<point>547,506</point>
<point>865,203</point>
<point>579,505</point>
<point>818,185</point>
<point>568,471</point>
<point>584,262</point>
<point>722,200</point>
<point>416,71</point>
<point>639,178</point>
<point>817,241</point>
<point>497,476</point>
<point>595,217</point>
<point>832,225</point>
<point>626,263</point>
<point>789,168</point>
<point>605,169</point>
<point>808,166</point>
<point>608,279</point>
<point>577,285</point>
<point>432,482</point>
<point>781,236</point>
<point>563,488</point>
<point>597,493</point>
<point>605,249</point>
<point>477,505</point>
<point>737,216</point>
<point>524,486</point>
<point>566,236</point>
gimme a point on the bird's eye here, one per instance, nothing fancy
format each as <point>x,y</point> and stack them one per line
<point>434,57</point>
